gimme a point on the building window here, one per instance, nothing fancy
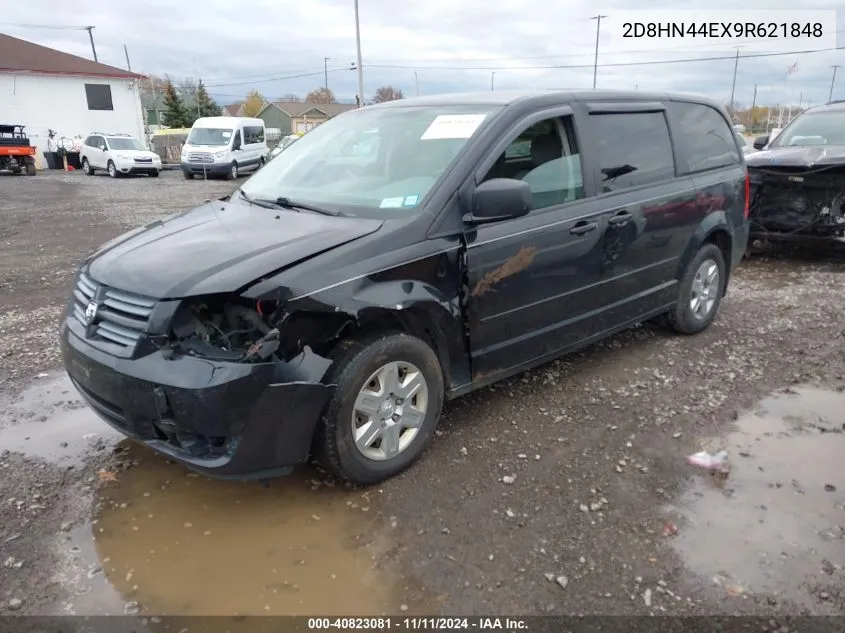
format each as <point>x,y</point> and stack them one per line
<point>99,96</point>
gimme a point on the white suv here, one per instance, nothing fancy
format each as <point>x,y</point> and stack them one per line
<point>118,154</point>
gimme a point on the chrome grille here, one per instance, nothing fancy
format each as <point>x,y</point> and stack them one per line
<point>122,316</point>
<point>200,158</point>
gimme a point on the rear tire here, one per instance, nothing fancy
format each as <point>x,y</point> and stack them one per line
<point>30,169</point>
<point>700,293</point>
<point>361,371</point>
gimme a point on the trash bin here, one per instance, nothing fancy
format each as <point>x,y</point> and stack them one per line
<point>52,160</point>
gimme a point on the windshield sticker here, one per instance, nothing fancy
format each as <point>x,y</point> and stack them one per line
<point>411,201</point>
<point>391,203</point>
<point>453,126</point>
<point>227,134</point>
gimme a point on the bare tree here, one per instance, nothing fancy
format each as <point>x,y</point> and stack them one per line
<point>321,95</point>
<point>187,89</point>
<point>387,93</point>
<point>292,97</point>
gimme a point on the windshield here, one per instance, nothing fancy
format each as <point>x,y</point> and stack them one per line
<point>126,143</point>
<point>813,129</point>
<point>375,162</point>
<point>209,136</point>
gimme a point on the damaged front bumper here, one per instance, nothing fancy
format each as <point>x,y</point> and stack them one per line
<point>227,420</point>
<point>796,203</point>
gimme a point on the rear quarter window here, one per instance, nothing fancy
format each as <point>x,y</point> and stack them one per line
<point>703,139</point>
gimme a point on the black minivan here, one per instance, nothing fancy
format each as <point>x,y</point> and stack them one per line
<point>400,255</point>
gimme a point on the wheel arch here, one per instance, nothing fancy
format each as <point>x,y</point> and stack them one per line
<point>714,229</point>
<point>324,320</point>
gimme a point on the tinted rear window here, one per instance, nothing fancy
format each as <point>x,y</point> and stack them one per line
<point>634,149</point>
<point>703,138</point>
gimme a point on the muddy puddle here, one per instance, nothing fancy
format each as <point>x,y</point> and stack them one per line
<point>181,544</point>
<point>776,525</point>
<point>50,421</point>
<point>165,541</point>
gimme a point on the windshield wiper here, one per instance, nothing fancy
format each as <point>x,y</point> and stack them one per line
<point>287,203</point>
<point>267,204</point>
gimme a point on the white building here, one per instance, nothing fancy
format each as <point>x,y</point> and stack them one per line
<point>45,89</point>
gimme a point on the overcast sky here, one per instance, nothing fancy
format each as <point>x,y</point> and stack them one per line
<point>439,45</point>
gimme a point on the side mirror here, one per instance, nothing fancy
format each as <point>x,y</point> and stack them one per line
<point>760,142</point>
<point>499,199</point>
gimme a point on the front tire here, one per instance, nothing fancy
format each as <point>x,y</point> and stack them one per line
<point>112,170</point>
<point>701,290</point>
<point>86,167</point>
<point>188,175</point>
<point>233,172</point>
<point>384,410</point>
<point>154,174</point>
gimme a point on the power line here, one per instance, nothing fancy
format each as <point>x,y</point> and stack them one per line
<point>251,79</point>
<point>698,46</point>
<point>386,63</point>
<point>299,76</point>
<point>44,26</point>
<point>608,65</point>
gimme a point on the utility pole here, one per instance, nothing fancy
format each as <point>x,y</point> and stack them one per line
<point>128,64</point>
<point>326,70</point>
<point>733,87</point>
<point>800,101</point>
<point>360,63</point>
<point>832,82</point>
<point>417,83</point>
<point>492,80</point>
<point>754,100</point>
<point>598,19</point>
<point>91,37</point>
<point>155,102</point>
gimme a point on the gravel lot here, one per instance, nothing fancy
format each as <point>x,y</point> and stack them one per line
<point>563,490</point>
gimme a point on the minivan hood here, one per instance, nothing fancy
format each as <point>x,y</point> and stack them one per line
<point>797,156</point>
<point>218,247</point>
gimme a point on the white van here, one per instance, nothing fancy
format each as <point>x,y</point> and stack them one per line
<point>224,146</point>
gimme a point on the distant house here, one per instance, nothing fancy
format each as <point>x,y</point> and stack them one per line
<point>233,109</point>
<point>45,89</point>
<point>299,116</point>
<point>154,109</point>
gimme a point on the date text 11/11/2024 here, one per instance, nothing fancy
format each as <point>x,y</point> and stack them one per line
<point>418,624</point>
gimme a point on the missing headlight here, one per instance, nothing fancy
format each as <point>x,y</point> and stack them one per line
<point>222,328</point>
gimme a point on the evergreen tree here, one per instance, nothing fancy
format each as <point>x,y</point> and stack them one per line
<point>207,106</point>
<point>174,113</point>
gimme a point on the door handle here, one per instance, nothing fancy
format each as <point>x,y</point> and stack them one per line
<point>623,217</point>
<point>583,228</point>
